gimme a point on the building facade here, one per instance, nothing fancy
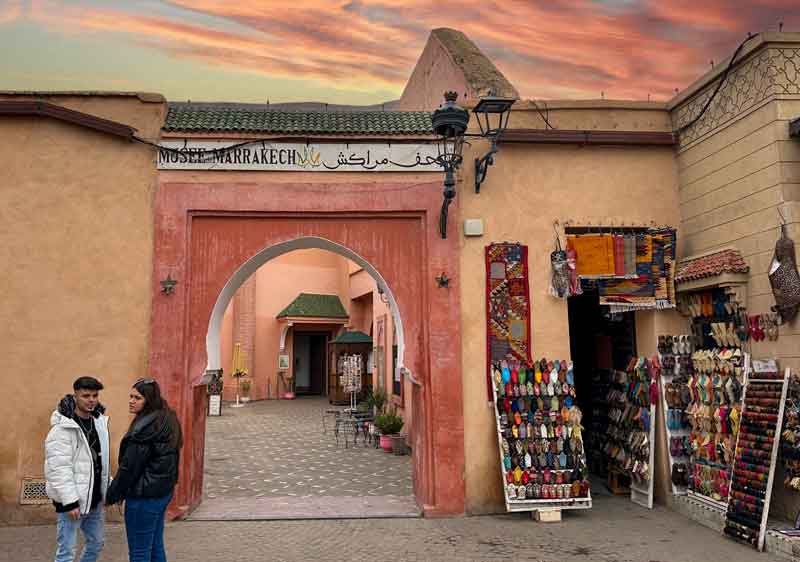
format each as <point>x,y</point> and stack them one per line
<point>101,221</point>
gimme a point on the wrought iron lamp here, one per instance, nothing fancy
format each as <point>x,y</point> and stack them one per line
<point>492,114</point>
<point>449,124</point>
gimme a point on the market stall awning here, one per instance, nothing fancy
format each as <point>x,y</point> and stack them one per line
<point>721,267</point>
<point>352,337</point>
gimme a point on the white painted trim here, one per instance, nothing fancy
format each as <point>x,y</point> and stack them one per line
<point>248,268</point>
<point>284,333</point>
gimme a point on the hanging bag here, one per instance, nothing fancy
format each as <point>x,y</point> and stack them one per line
<point>784,278</point>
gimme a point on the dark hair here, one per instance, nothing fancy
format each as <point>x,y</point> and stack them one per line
<point>87,383</point>
<point>153,402</point>
<point>151,392</point>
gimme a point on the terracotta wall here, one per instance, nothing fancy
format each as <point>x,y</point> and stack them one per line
<point>528,188</point>
<point>278,282</point>
<point>738,168</point>
<point>362,285</point>
<point>77,239</point>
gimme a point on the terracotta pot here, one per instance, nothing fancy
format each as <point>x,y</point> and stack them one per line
<point>386,443</point>
<point>398,444</point>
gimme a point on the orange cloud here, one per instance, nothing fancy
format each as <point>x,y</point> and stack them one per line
<point>11,11</point>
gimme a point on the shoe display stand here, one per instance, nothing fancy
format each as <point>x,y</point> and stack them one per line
<point>757,445</point>
<point>714,415</point>
<point>631,434</point>
<point>642,478</point>
<point>539,435</point>
<point>642,487</point>
<point>719,330</point>
<point>790,438</point>
<point>676,366</point>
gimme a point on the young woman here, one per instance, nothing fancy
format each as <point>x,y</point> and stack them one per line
<point>148,470</point>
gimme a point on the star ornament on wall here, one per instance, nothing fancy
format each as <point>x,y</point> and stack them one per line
<point>168,285</point>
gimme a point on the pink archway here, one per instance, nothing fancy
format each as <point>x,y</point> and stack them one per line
<point>206,231</point>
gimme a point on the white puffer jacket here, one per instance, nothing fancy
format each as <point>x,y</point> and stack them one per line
<point>68,461</point>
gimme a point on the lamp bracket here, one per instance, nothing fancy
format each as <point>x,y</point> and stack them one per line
<point>482,164</point>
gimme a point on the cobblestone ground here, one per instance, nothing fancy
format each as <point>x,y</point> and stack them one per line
<point>273,459</point>
<point>614,530</point>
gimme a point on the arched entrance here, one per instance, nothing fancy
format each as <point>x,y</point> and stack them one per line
<point>249,267</point>
<point>210,253</point>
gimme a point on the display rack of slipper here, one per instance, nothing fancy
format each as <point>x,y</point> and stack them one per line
<point>790,438</point>
<point>539,433</point>
<point>719,318</point>
<point>642,396</point>
<point>631,430</point>
<point>675,355</point>
<point>756,453</point>
<point>714,415</point>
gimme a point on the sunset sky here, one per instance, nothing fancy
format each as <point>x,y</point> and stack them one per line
<point>362,51</point>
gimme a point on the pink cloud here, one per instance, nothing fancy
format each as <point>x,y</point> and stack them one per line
<point>550,49</point>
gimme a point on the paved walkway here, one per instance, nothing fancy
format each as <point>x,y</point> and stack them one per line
<point>614,530</point>
<point>272,460</point>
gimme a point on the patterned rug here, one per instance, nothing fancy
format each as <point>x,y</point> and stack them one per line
<point>508,320</point>
<point>653,288</point>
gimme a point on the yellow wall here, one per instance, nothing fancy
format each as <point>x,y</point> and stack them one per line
<point>737,168</point>
<point>528,188</point>
<point>77,215</point>
<point>362,284</point>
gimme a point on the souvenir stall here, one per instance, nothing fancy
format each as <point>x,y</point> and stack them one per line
<point>539,433</point>
<point>611,274</point>
<point>706,374</point>
<point>348,354</point>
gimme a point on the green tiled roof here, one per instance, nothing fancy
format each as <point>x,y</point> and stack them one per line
<point>352,337</point>
<point>211,118</point>
<point>309,304</point>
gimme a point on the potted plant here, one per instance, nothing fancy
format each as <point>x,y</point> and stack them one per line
<point>389,424</point>
<point>376,400</point>
<point>244,386</point>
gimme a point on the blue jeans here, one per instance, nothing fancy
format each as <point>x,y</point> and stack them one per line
<point>144,526</point>
<point>92,526</point>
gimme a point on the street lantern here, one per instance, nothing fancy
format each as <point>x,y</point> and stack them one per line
<point>492,114</point>
<point>449,125</point>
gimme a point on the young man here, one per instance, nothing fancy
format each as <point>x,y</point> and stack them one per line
<point>76,468</point>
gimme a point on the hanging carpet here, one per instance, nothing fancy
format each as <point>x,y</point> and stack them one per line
<point>508,322</point>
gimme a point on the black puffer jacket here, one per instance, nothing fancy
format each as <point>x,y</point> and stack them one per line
<point>149,456</point>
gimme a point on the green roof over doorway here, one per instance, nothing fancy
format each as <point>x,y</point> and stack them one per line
<point>352,337</point>
<point>313,305</point>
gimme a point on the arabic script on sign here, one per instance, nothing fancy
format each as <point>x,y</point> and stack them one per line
<point>263,156</point>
